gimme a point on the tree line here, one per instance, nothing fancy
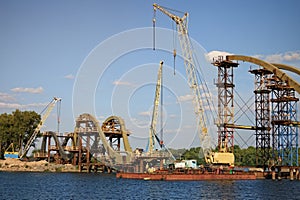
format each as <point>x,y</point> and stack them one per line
<point>243,157</point>
<point>17,128</point>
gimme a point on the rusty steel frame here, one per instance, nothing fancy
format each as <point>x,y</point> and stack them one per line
<point>284,114</point>
<point>225,85</point>
<point>262,117</point>
<point>88,141</point>
<point>284,132</point>
<point>102,141</point>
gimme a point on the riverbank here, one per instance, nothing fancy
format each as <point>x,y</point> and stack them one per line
<point>15,165</point>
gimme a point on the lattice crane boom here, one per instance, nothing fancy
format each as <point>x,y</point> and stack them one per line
<point>49,108</point>
<point>186,47</point>
<point>190,67</point>
<point>152,130</point>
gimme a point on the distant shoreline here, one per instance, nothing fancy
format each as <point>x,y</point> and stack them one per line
<point>15,165</point>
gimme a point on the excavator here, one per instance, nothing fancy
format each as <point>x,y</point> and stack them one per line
<point>223,157</point>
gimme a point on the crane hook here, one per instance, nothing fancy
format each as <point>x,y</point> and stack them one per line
<point>174,54</point>
<point>153,21</point>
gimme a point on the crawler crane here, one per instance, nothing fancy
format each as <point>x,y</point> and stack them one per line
<point>190,67</point>
<point>49,108</point>
<point>152,130</point>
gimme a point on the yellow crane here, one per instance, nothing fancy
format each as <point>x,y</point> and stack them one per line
<point>49,108</point>
<point>190,67</point>
<point>152,130</point>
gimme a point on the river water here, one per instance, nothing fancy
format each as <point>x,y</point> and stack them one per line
<point>29,185</point>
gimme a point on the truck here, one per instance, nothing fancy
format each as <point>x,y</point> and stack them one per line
<point>186,164</point>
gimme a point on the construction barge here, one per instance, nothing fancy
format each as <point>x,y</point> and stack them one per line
<point>214,173</point>
<point>188,175</point>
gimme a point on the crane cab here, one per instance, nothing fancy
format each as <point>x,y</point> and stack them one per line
<point>221,158</point>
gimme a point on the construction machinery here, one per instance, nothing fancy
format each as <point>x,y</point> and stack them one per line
<point>190,67</point>
<point>10,152</point>
<point>48,109</point>
<point>152,130</point>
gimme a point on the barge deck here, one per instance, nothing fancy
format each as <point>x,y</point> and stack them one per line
<point>193,175</point>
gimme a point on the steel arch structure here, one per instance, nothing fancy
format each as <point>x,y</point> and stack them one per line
<point>114,127</point>
<point>271,79</point>
<point>89,131</point>
<point>275,69</point>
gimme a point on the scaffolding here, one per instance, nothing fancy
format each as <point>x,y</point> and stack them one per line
<point>276,120</point>
<point>225,120</point>
<point>262,117</point>
<point>283,120</point>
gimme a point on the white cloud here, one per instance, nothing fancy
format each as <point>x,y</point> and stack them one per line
<point>210,108</point>
<point>28,90</point>
<point>184,98</point>
<point>101,117</point>
<point>145,113</point>
<point>10,105</point>
<point>214,55</point>
<point>207,96</point>
<point>173,116</point>
<point>125,83</point>
<point>273,58</point>
<point>141,123</point>
<point>6,97</point>
<point>21,106</point>
<point>69,76</point>
<point>172,131</point>
<point>188,127</point>
<point>290,56</point>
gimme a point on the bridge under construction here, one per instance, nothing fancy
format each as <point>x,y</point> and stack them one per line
<point>101,147</point>
<point>92,146</point>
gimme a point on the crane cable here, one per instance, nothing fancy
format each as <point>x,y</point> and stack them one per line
<point>199,71</point>
<point>174,46</point>
<point>58,116</point>
<point>161,111</point>
<point>153,22</point>
<point>46,107</point>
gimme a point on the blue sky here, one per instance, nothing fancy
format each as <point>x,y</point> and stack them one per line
<point>46,45</point>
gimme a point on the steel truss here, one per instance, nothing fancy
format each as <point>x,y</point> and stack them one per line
<point>225,104</point>
<point>262,117</point>
<point>283,115</point>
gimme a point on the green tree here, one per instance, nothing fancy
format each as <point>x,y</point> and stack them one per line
<point>238,155</point>
<point>6,128</point>
<point>249,156</point>
<point>194,153</point>
<point>243,157</point>
<point>177,153</point>
<point>17,128</point>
